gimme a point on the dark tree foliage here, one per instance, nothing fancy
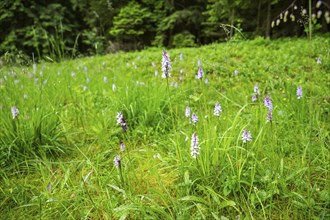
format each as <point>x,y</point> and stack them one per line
<point>57,29</point>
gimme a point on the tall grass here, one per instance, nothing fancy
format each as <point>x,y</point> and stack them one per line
<point>57,155</point>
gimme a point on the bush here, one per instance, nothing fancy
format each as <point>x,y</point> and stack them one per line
<point>184,39</point>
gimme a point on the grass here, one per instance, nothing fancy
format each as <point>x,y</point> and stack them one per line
<point>57,156</point>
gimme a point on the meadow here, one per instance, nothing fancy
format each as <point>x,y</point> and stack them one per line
<point>239,131</point>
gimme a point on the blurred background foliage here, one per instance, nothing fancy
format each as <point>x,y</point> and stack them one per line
<point>57,29</point>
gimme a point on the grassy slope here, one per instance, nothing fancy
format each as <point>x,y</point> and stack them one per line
<point>57,156</point>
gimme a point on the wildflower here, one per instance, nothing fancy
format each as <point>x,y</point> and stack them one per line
<point>198,62</point>
<point>254,98</point>
<point>194,145</point>
<point>194,118</point>
<point>299,92</point>
<point>246,136</point>
<point>319,61</point>
<point>319,14</point>
<point>268,103</point>
<point>181,56</point>
<point>174,84</point>
<point>114,87</point>
<point>256,93</point>
<point>318,4</point>
<point>187,112</point>
<point>156,73</point>
<point>116,161</point>
<point>85,68</point>
<point>270,116</point>
<point>87,80</point>
<point>166,65</point>
<point>121,121</point>
<point>85,88</point>
<point>134,65</point>
<point>153,64</point>
<point>14,112</point>
<point>236,72</point>
<point>73,74</point>
<point>122,146</point>
<point>256,89</point>
<point>49,187</point>
<point>217,109</point>
<point>200,73</point>
<point>105,79</point>
<point>25,96</point>
<point>206,81</point>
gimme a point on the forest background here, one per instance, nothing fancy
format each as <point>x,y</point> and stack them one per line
<point>58,29</point>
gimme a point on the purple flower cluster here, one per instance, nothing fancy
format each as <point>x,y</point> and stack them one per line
<point>166,65</point>
<point>122,146</point>
<point>121,121</point>
<point>14,112</point>
<point>194,118</point>
<point>269,105</point>
<point>117,161</point>
<point>299,92</point>
<point>217,109</point>
<point>187,113</point>
<point>200,73</point>
<point>256,93</point>
<point>246,136</point>
<point>194,145</point>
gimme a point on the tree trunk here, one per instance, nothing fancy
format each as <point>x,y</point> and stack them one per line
<point>232,17</point>
<point>268,27</point>
<point>310,19</point>
<point>258,17</point>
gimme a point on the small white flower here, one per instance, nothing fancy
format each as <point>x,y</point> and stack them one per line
<point>217,109</point>
<point>114,87</point>
<point>14,112</point>
<point>246,136</point>
<point>194,149</point>
<point>194,118</point>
